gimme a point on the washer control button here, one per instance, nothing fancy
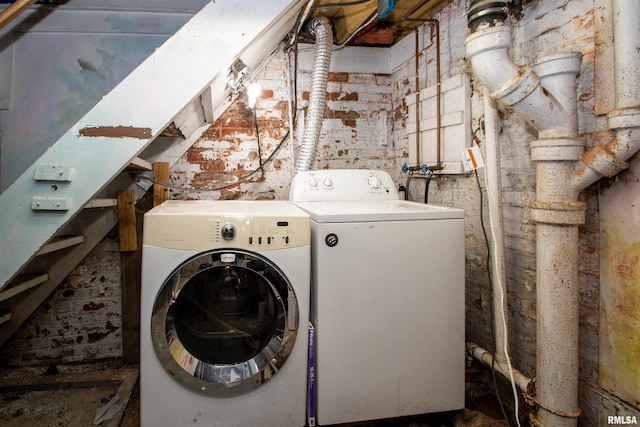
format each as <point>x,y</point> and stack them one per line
<point>228,231</point>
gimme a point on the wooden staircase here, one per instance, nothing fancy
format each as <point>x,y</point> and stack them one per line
<point>58,210</point>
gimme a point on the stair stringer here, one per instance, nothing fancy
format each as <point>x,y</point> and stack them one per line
<point>102,143</point>
<point>94,224</point>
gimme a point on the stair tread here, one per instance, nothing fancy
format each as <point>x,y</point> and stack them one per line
<point>5,317</point>
<point>138,164</point>
<point>101,203</point>
<point>61,242</point>
<point>22,283</point>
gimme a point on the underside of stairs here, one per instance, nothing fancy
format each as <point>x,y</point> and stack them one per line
<point>65,203</point>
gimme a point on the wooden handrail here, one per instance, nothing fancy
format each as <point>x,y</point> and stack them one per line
<point>13,10</point>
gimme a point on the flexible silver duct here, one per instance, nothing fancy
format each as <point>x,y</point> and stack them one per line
<point>317,97</point>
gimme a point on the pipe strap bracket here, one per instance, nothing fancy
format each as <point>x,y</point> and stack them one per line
<point>561,213</point>
<point>534,402</point>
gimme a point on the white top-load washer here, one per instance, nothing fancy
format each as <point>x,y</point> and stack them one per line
<point>387,298</point>
<point>224,314</point>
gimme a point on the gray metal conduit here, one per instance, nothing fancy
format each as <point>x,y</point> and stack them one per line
<point>321,27</point>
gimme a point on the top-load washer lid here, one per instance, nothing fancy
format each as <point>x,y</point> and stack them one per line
<point>374,210</point>
<point>354,195</point>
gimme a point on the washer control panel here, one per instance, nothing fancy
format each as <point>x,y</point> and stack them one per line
<point>342,184</point>
<point>203,225</point>
<point>254,232</point>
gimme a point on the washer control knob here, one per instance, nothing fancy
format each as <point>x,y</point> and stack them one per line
<point>328,182</point>
<point>313,183</point>
<point>228,231</point>
<point>374,181</point>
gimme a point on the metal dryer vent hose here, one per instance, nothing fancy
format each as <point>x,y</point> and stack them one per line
<point>321,27</point>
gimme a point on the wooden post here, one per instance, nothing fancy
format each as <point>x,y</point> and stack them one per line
<point>130,276</point>
<point>127,221</point>
<point>160,173</point>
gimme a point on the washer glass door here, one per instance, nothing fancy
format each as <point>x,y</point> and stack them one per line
<point>224,322</point>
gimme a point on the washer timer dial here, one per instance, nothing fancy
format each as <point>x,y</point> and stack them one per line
<point>228,231</point>
<point>374,181</point>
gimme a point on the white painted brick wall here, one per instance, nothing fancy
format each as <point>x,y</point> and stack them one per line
<point>351,139</point>
<point>81,321</point>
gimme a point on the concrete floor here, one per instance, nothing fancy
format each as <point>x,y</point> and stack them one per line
<point>76,395</point>
<point>68,396</point>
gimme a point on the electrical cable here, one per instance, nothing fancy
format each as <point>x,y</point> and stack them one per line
<point>407,184</point>
<point>260,167</point>
<point>221,187</point>
<point>255,122</point>
<point>426,187</point>
<point>362,27</point>
<point>504,321</point>
<point>488,266</point>
<point>349,3</point>
<point>493,331</point>
<point>138,177</point>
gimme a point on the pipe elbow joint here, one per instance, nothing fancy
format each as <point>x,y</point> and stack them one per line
<point>521,87</point>
<point>602,160</point>
<point>488,50</point>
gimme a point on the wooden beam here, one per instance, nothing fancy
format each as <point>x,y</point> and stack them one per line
<point>130,278</point>
<point>127,221</point>
<point>347,20</point>
<point>160,173</point>
<point>13,10</point>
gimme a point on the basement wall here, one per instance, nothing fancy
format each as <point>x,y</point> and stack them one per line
<point>356,133</point>
<point>82,320</point>
<point>366,127</point>
<point>548,28</point>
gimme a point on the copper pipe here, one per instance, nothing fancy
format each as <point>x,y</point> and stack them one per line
<point>417,98</point>
<point>436,25</point>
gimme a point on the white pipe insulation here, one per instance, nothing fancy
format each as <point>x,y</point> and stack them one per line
<point>546,96</point>
<point>494,196</point>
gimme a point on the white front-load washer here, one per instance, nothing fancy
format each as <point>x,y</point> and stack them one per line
<point>224,314</point>
<point>387,298</point>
